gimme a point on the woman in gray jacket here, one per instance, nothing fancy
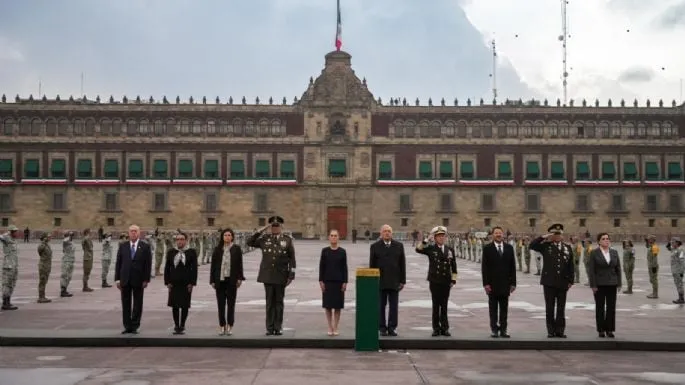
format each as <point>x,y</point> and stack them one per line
<point>604,274</point>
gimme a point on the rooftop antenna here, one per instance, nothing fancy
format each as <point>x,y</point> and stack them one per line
<point>494,70</point>
<point>563,38</point>
<point>81,84</point>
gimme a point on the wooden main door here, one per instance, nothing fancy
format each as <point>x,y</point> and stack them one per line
<point>337,219</point>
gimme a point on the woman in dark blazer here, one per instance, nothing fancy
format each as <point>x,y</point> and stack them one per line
<point>226,276</point>
<point>333,281</point>
<point>180,276</point>
<point>604,274</point>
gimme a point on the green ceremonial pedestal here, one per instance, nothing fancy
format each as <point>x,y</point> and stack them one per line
<point>367,313</point>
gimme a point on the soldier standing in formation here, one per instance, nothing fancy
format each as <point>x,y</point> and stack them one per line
<point>10,266</point>
<point>577,256</point>
<point>525,250</point>
<point>159,252</point>
<point>518,246</point>
<point>586,260</point>
<point>442,275</point>
<point>557,277</point>
<point>678,268</point>
<point>68,259</point>
<point>653,265</point>
<point>44,266</point>
<point>150,240</point>
<point>628,265</point>
<point>276,270</point>
<point>106,259</point>
<point>87,246</point>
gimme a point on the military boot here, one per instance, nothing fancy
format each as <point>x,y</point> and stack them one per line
<point>654,295</point>
<point>65,293</point>
<point>105,284</point>
<point>41,297</point>
<point>7,305</point>
<point>629,290</point>
<point>86,289</point>
<point>680,300</point>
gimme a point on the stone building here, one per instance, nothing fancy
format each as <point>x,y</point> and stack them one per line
<point>338,157</point>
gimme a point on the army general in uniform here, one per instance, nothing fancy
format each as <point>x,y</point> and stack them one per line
<point>276,271</point>
<point>557,277</point>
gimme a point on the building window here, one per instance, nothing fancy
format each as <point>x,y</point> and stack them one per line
<point>404,222</point>
<point>57,222</point>
<point>159,222</point>
<point>237,169</point>
<point>211,170</point>
<point>287,170</point>
<point>674,222</point>
<point>487,202</point>
<point>185,169</point>
<point>4,222</point>
<point>532,202</point>
<point>384,170</point>
<point>674,171</point>
<point>608,171</point>
<point>59,202</point>
<point>650,222</point>
<point>532,222</point>
<point>425,170</point>
<point>160,169</point>
<point>504,170</point>
<point>675,203</point>
<point>84,169</point>
<point>466,170</point>
<point>211,202</point>
<point>582,222</point>
<point>111,169</point>
<point>6,169</point>
<point>135,169</point>
<point>261,222</point>
<point>617,202</point>
<point>262,169</point>
<point>110,221</point>
<point>111,201</point>
<point>445,222</point>
<point>446,171</point>
<point>58,169</point>
<point>532,170</point>
<point>405,202</point>
<point>210,222</point>
<point>617,222</point>
<point>261,202</point>
<point>582,171</point>
<point>487,222</point>
<point>582,202</point>
<point>337,168</point>
<point>446,202</point>
<point>32,169</point>
<point>159,202</point>
<point>629,171</point>
<point>5,202</point>
<point>651,202</point>
<point>557,171</point>
<point>651,171</point>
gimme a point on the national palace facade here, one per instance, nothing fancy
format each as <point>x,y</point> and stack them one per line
<point>338,157</point>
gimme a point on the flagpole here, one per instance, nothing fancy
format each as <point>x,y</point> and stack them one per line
<point>338,29</point>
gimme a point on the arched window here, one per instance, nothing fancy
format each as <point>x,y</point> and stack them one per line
<point>106,127</point>
<point>398,126</point>
<point>197,127</point>
<point>79,127</point>
<point>90,127</point>
<point>435,130</point>
<point>264,127</point>
<point>144,127</point>
<point>238,127</point>
<point>448,130</point>
<point>655,129</point>
<point>250,129</point>
<point>603,130</point>
<point>64,127</point>
<point>502,129</point>
<point>539,129</point>
<point>476,131</point>
<point>409,129</point>
<point>512,129</point>
<point>117,127</point>
<point>423,129</point>
<point>564,129</point>
<point>51,127</point>
<point>36,127</point>
<point>667,130</point>
<point>615,129</point>
<point>159,129</point>
<point>185,127</point>
<point>527,129</point>
<point>629,130</point>
<point>554,129</point>
<point>131,128</point>
<point>24,126</point>
<point>487,129</point>
<point>641,129</point>
<point>276,127</point>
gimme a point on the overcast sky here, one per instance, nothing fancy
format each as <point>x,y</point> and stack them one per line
<point>405,48</point>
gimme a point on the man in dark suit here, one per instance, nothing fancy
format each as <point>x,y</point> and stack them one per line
<point>557,277</point>
<point>499,280</point>
<point>388,255</point>
<point>442,275</point>
<point>132,275</point>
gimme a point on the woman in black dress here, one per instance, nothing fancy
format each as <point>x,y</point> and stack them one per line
<point>333,281</point>
<point>180,276</point>
<point>226,276</point>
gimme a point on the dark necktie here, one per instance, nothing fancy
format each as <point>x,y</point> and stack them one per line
<point>499,249</point>
<point>133,250</point>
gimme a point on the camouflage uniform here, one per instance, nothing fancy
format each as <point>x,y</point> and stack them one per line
<point>10,267</point>
<point>577,256</point>
<point>68,259</point>
<point>586,261</point>
<point>538,261</point>
<point>629,267</point>
<point>518,246</point>
<point>87,246</point>
<point>159,253</point>
<point>106,259</point>
<point>44,267</point>
<point>526,255</point>
<point>150,240</point>
<point>678,269</point>
<point>653,267</point>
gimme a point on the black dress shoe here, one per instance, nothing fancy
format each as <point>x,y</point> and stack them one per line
<point>551,335</point>
<point>177,331</point>
<point>133,331</point>
<point>561,335</point>
<point>125,331</point>
<point>278,333</point>
<point>269,332</point>
<point>384,333</point>
<point>446,333</point>
<point>392,333</point>
<point>435,333</point>
<point>602,335</point>
<point>504,334</point>
<point>494,334</point>
<point>610,334</point>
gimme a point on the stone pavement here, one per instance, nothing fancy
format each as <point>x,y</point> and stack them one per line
<point>97,315</point>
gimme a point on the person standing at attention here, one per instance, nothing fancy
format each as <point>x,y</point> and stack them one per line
<point>605,281</point>
<point>388,256</point>
<point>499,280</point>
<point>225,277</point>
<point>180,276</point>
<point>132,275</point>
<point>333,281</point>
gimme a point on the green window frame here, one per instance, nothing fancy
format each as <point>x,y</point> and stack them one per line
<point>160,169</point>
<point>446,170</point>
<point>504,170</point>
<point>557,171</point>
<point>111,169</point>
<point>185,169</point>
<point>384,170</point>
<point>211,169</point>
<point>6,168</point>
<point>466,170</point>
<point>135,169</point>
<point>32,169</point>
<point>337,168</point>
<point>84,169</point>
<point>582,171</point>
<point>651,171</point>
<point>532,170</point>
<point>237,169</point>
<point>58,169</point>
<point>262,169</point>
<point>425,170</point>
<point>630,171</point>
<point>608,170</point>
<point>287,169</point>
<point>675,172</point>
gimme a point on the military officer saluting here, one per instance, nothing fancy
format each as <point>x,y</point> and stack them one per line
<point>442,275</point>
<point>276,271</point>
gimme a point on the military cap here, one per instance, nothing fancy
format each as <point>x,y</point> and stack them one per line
<point>437,230</point>
<point>556,228</point>
<point>44,236</point>
<point>676,239</point>
<point>651,236</point>
<point>276,220</point>
<point>12,228</point>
